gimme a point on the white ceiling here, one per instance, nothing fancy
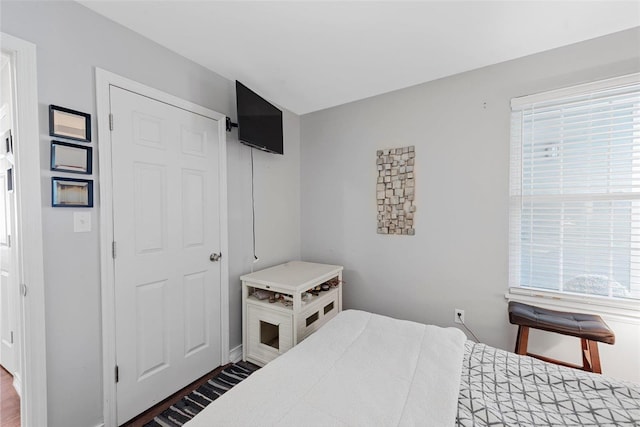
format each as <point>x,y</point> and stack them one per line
<point>307,55</point>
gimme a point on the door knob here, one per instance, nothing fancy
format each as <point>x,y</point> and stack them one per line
<point>215,257</point>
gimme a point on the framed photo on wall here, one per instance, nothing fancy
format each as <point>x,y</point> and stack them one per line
<point>10,179</point>
<point>70,124</point>
<point>71,192</point>
<point>71,158</point>
<point>8,142</point>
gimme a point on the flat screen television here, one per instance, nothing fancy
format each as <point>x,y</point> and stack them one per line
<point>259,122</point>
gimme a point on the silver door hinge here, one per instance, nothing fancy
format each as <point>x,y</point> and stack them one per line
<point>113,249</point>
<point>110,121</point>
<point>11,337</point>
<point>23,290</point>
<point>117,373</point>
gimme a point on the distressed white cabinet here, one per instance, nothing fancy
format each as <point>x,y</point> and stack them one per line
<point>287,312</point>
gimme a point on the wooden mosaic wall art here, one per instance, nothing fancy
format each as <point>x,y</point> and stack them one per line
<point>395,190</point>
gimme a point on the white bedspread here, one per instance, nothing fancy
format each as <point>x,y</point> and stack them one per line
<point>360,369</point>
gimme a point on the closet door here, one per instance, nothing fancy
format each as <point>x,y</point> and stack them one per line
<point>166,229</point>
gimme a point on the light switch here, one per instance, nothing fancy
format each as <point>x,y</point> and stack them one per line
<point>81,222</point>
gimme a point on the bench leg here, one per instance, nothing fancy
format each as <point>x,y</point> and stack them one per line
<point>522,340</point>
<point>586,357</point>
<point>591,348</point>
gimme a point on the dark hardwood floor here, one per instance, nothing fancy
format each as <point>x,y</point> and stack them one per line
<point>150,413</point>
<point>9,401</point>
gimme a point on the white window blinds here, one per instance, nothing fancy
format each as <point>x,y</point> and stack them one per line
<point>575,190</point>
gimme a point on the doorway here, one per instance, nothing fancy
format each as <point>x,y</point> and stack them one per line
<point>23,335</point>
<point>10,383</point>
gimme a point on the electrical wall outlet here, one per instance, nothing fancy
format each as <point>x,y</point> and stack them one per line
<point>458,315</point>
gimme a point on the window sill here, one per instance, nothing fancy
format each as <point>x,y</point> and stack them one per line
<point>627,311</point>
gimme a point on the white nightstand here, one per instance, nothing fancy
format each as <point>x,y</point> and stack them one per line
<point>269,329</point>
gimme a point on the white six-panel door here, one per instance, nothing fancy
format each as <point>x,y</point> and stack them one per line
<point>9,297</point>
<point>166,218</point>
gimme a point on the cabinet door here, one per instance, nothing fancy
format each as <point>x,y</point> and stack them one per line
<point>316,315</point>
<point>270,333</point>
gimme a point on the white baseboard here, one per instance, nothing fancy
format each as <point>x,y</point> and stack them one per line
<point>17,385</point>
<point>235,355</point>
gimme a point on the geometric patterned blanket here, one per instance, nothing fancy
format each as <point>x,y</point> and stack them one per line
<point>502,388</point>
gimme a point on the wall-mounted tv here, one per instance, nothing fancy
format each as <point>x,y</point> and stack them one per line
<point>259,122</point>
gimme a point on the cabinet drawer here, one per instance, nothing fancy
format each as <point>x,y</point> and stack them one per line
<point>317,315</point>
<point>269,333</point>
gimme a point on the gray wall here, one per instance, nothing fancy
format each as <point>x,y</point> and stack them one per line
<point>458,258</point>
<point>460,128</point>
<point>71,40</point>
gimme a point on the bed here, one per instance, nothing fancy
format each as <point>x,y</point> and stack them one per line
<point>363,369</point>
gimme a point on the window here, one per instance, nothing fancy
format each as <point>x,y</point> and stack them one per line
<point>575,190</point>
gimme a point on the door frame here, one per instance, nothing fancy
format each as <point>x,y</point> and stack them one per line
<point>105,79</point>
<point>29,239</point>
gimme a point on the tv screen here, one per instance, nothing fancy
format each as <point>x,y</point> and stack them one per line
<point>259,122</point>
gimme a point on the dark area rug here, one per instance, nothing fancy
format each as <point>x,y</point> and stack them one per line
<point>190,405</point>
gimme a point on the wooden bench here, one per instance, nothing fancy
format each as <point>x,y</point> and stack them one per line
<point>590,328</point>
